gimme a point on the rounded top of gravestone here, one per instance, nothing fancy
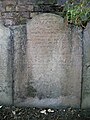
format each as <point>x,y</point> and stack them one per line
<point>47,16</point>
<point>46,21</point>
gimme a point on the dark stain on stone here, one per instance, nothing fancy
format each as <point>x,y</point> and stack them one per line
<point>31,91</point>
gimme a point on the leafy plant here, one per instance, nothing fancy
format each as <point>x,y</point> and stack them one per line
<point>77,13</point>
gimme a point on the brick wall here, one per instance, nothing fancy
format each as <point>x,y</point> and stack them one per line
<point>15,12</point>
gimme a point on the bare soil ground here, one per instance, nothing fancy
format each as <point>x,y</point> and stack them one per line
<point>18,113</point>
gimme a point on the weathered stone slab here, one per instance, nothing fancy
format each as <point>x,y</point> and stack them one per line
<point>19,64</point>
<point>48,71</point>
<point>86,70</point>
<point>5,66</point>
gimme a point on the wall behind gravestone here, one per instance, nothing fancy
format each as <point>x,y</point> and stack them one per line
<point>5,66</point>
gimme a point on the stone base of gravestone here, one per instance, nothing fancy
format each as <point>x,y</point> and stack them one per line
<point>5,66</point>
<point>86,69</point>
<point>48,64</point>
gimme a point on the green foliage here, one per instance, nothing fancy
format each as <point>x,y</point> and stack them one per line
<point>77,13</point>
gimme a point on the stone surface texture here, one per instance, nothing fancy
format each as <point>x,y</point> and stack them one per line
<point>86,69</point>
<point>48,71</point>
<point>19,71</point>
<point>5,66</point>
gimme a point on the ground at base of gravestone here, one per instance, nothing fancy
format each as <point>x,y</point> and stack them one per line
<point>18,113</point>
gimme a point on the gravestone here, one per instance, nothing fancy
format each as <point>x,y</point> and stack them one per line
<point>19,64</point>
<point>86,68</point>
<point>5,66</point>
<point>52,64</point>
